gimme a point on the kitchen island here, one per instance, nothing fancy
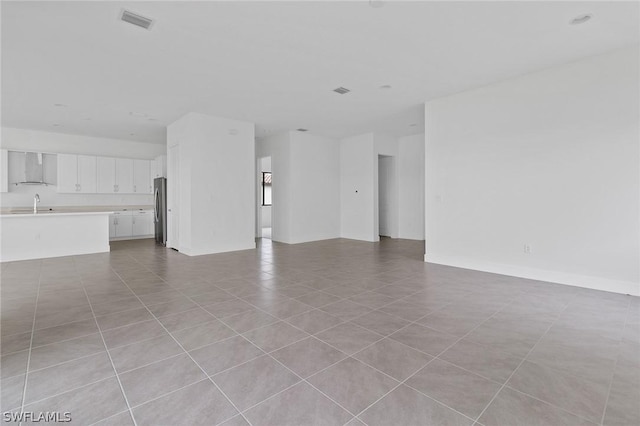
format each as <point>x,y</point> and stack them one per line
<point>26,235</point>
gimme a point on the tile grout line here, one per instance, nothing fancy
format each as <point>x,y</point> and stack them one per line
<point>274,359</point>
<point>615,366</point>
<point>522,362</point>
<point>403,382</point>
<point>113,366</point>
<point>110,417</point>
<point>366,290</point>
<point>26,372</point>
<point>185,351</point>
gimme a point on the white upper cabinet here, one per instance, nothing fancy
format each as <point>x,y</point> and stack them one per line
<point>77,173</point>
<point>106,175</point>
<point>67,173</point>
<point>124,175</point>
<point>115,175</point>
<point>160,166</point>
<point>4,170</point>
<point>141,182</point>
<point>87,174</point>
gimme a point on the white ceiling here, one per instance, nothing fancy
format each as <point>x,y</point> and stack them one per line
<point>276,63</point>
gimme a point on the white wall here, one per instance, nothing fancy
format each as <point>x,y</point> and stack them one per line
<point>35,140</point>
<point>549,159</point>
<point>217,169</point>
<point>411,187</point>
<point>32,140</point>
<point>359,171</point>
<point>357,198</point>
<point>315,187</point>
<point>306,186</point>
<point>278,147</point>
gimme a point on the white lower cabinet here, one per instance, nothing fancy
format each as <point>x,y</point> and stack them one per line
<point>121,225</point>
<point>141,221</point>
<point>131,224</point>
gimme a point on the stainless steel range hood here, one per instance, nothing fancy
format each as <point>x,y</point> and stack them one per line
<point>33,169</point>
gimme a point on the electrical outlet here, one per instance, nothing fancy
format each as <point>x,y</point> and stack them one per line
<point>527,248</point>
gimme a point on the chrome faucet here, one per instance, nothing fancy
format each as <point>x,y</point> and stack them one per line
<point>36,200</point>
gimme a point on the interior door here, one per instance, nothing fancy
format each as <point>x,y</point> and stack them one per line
<point>173,201</point>
<point>385,165</point>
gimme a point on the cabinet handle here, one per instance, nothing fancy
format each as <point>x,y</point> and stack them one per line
<point>134,188</point>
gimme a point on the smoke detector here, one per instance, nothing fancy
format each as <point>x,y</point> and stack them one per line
<point>135,19</point>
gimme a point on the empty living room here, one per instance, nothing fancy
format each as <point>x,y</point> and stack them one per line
<point>295,213</point>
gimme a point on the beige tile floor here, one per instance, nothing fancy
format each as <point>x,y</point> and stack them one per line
<point>323,333</point>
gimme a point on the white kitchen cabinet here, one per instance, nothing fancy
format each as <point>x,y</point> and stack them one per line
<point>106,175</point>
<point>67,173</point>
<point>131,224</point>
<point>141,172</point>
<point>113,222</point>
<point>160,166</point>
<point>141,223</point>
<point>77,173</point>
<point>123,225</point>
<point>87,179</point>
<point>115,175</point>
<point>4,170</point>
<point>124,175</point>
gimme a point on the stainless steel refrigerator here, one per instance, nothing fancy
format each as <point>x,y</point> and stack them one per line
<point>160,209</point>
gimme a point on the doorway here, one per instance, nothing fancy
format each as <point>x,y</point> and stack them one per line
<point>265,198</point>
<point>385,195</point>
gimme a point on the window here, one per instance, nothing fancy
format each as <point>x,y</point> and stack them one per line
<point>266,188</point>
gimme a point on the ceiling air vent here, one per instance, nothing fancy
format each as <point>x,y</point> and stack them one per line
<point>137,20</point>
<point>302,130</point>
<point>341,90</point>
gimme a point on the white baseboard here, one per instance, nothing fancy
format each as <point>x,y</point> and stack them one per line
<point>137,237</point>
<point>214,250</point>
<point>585,281</point>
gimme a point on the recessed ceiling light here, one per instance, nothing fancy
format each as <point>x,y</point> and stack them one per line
<point>60,105</point>
<point>341,90</point>
<point>302,130</point>
<point>137,114</point>
<point>581,19</point>
<point>386,86</point>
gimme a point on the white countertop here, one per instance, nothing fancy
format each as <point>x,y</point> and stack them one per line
<point>47,213</point>
<point>70,210</point>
